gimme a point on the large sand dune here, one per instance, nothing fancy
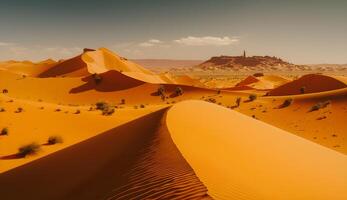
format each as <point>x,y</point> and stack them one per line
<point>178,154</point>
<point>311,83</point>
<point>133,161</point>
<point>237,157</point>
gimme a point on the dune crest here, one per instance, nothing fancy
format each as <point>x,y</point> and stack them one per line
<point>310,83</point>
<point>234,158</point>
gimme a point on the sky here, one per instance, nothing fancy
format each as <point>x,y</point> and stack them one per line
<point>301,32</point>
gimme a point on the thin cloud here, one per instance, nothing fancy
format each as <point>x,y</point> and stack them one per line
<point>6,44</point>
<point>150,43</point>
<point>206,41</point>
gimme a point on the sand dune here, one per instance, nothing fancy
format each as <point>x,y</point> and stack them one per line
<point>311,83</point>
<point>262,82</point>
<point>235,159</point>
<point>74,67</point>
<point>26,67</point>
<point>134,161</point>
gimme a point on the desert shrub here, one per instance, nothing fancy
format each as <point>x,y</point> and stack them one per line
<point>54,140</point>
<point>2,109</point>
<point>4,131</point>
<point>97,78</point>
<point>101,105</point>
<point>28,149</point>
<point>108,111</point>
<point>286,103</point>
<point>218,91</point>
<point>161,90</point>
<point>122,101</point>
<point>57,110</point>
<point>19,110</point>
<point>178,91</point>
<point>238,101</point>
<point>4,91</point>
<point>252,97</point>
<point>77,112</point>
<point>105,108</point>
<point>142,106</point>
<point>212,100</point>
<point>259,74</point>
<point>319,105</point>
<point>302,90</point>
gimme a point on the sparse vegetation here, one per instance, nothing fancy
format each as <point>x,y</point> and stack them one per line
<point>4,131</point>
<point>161,92</point>
<point>286,103</point>
<point>97,78</point>
<point>252,97</point>
<point>101,105</point>
<point>142,106</point>
<point>57,110</point>
<point>28,149</point>
<point>122,101</point>
<point>77,112</point>
<point>105,108</point>
<point>178,91</point>
<point>319,106</point>
<point>19,110</point>
<point>108,111</point>
<point>4,91</point>
<point>303,90</point>
<point>238,101</point>
<point>54,140</point>
<point>2,109</point>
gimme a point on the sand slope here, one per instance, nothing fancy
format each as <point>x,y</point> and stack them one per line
<point>312,83</point>
<point>133,161</point>
<point>263,82</point>
<point>242,158</point>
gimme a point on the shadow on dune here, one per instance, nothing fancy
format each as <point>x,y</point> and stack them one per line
<point>110,81</point>
<point>137,160</point>
<point>64,67</point>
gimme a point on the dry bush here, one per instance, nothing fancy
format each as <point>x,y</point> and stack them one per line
<point>28,149</point>
<point>54,140</point>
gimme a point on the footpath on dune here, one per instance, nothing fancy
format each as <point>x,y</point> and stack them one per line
<point>137,160</point>
<point>311,83</point>
<point>238,157</point>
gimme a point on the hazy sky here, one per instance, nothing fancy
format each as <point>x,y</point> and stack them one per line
<point>299,31</point>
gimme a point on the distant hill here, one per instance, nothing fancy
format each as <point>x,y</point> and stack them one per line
<point>254,63</point>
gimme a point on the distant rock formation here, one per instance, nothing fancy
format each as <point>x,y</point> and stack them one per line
<point>254,63</point>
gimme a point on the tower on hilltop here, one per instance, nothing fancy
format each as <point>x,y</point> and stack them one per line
<point>244,53</point>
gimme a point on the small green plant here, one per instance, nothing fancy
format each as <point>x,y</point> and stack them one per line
<point>28,149</point>
<point>252,97</point>
<point>4,131</point>
<point>54,140</point>
<point>286,103</point>
<point>238,101</point>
